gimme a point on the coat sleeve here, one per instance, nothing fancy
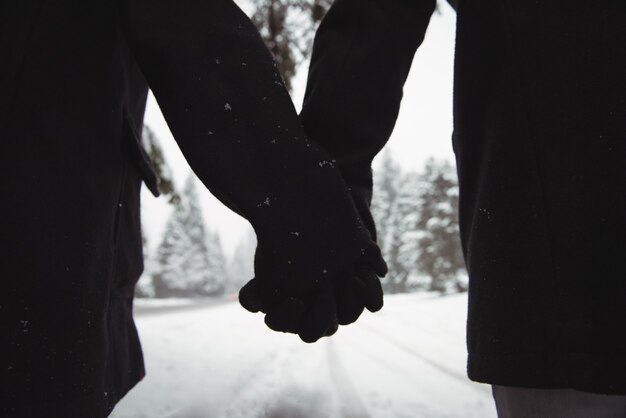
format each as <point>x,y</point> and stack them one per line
<point>361,58</point>
<point>227,107</point>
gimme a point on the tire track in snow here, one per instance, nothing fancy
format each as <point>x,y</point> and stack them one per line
<point>278,390</point>
<point>350,403</point>
<point>233,390</point>
<point>394,384</point>
<point>291,400</point>
<point>411,350</point>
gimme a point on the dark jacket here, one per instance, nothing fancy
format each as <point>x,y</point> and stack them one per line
<point>73,82</point>
<point>540,142</point>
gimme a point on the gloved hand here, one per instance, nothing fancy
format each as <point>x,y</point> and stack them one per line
<point>318,311</point>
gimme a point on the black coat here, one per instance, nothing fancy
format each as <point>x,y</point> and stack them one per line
<point>72,95</point>
<point>540,142</point>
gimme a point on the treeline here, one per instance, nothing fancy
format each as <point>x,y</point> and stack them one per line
<point>416,214</point>
<point>417,228</point>
<point>189,261</point>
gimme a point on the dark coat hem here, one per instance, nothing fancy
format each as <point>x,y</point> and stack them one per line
<point>594,373</point>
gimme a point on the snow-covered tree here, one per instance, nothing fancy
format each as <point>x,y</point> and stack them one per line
<point>417,223</point>
<point>440,254</point>
<point>144,287</point>
<point>241,265</point>
<point>409,202</point>
<point>388,215</point>
<point>184,264</point>
<point>217,262</point>
<point>151,144</point>
<point>288,27</point>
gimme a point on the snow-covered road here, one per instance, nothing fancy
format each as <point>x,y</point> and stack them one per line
<point>407,361</point>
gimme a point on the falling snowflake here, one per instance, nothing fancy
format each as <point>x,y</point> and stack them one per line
<point>327,163</point>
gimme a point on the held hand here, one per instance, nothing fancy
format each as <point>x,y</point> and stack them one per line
<point>316,313</point>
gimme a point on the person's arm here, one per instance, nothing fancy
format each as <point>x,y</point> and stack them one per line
<point>361,58</point>
<point>228,109</point>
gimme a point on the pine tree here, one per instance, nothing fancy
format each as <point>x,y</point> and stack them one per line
<point>162,170</point>
<point>183,258</point>
<point>440,253</point>
<point>388,216</point>
<point>144,287</point>
<point>241,266</point>
<point>217,263</point>
<point>409,205</point>
<point>288,27</point>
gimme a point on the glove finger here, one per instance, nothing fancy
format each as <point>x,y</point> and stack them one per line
<point>320,318</point>
<point>250,298</point>
<point>258,295</point>
<point>374,290</point>
<point>286,316</point>
<point>351,298</point>
<point>332,330</point>
<point>374,258</point>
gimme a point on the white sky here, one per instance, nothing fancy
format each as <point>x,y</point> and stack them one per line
<point>423,130</point>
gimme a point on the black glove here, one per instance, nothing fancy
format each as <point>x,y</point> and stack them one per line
<point>317,312</point>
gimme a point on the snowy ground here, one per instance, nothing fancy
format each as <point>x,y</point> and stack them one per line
<point>144,307</point>
<point>219,361</point>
